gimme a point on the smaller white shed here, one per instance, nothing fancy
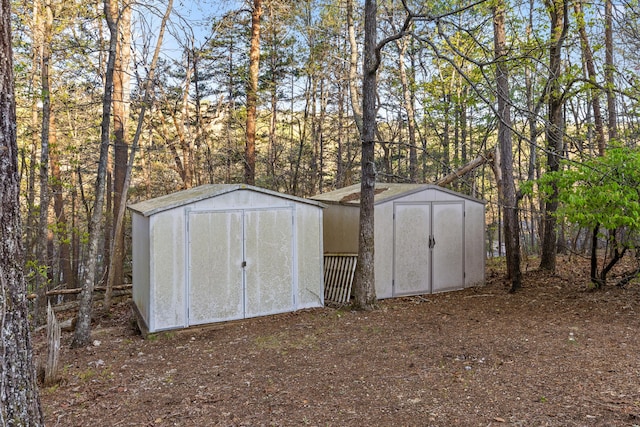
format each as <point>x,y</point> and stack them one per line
<point>427,238</point>
<point>224,252</point>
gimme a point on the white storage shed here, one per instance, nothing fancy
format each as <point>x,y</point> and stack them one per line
<point>427,238</point>
<point>223,252</point>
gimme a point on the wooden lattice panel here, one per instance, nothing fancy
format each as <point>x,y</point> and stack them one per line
<point>338,277</point>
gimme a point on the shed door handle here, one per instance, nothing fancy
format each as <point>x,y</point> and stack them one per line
<point>244,264</point>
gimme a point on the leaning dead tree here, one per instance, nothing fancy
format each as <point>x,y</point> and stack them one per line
<point>463,170</point>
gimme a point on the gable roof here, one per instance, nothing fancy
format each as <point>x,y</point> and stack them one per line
<point>202,192</point>
<point>384,192</point>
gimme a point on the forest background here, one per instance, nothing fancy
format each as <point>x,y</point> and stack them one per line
<point>124,101</point>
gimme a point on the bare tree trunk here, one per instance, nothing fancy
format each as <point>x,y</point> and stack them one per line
<point>324,100</point>
<point>464,126</point>
<point>43,224</point>
<point>507,190</point>
<point>119,215</point>
<point>121,84</point>
<point>199,138</point>
<point>180,125</point>
<point>186,139</point>
<point>58,207</point>
<point>107,228</point>
<point>30,231</point>
<point>558,10</point>
<point>364,280</point>
<point>313,125</point>
<point>445,140</point>
<point>340,163</point>
<point>82,333</point>
<point>408,106</point>
<point>609,69</point>
<point>273,89</point>
<point>273,122</point>
<point>591,72</point>
<point>19,398</point>
<point>271,161</point>
<point>230,116</point>
<point>356,104</point>
<point>252,94</point>
<point>533,109</point>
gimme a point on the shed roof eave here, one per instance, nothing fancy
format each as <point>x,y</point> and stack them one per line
<point>393,192</point>
<point>182,198</point>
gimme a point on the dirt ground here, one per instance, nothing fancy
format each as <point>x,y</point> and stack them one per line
<point>553,354</point>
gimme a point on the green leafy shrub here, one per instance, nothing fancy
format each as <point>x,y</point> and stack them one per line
<point>602,194</point>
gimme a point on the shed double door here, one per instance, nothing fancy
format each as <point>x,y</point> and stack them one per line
<point>428,247</point>
<point>240,264</point>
